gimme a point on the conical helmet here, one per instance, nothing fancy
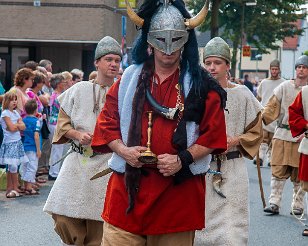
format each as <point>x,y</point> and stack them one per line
<point>217,47</point>
<point>302,60</point>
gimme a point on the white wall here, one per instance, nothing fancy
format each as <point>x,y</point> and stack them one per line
<point>289,56</point>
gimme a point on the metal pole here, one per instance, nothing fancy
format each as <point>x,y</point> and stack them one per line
<point>242,30</point>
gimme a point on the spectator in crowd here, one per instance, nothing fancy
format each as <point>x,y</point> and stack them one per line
<point>46,64</point>
<point>47,89</point>
<point>31,146</point>
<point>31,64</point>
<point>68,78</point>
<point>77,75</point>
<point>22,81</point>
<point>12,152</point>
<point>42,100</point>
<point>93,75</point>
<point>76,78</point>
<point>44,96</point>
<point>33,92</point>
<point>59,85</point>
<point>248,83</point>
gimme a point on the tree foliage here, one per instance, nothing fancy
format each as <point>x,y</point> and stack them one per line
<point>263,25</point>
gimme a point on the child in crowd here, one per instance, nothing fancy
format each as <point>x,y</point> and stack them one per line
<point>59,85</point>
<point>12,152</point>
<point>31,146</point>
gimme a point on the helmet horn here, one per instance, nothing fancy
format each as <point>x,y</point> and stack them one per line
<point>199,18</point>
<point>133,16</point>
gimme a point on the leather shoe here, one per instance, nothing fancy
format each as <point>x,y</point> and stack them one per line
<point>272,209</point>
<point>297,211</point>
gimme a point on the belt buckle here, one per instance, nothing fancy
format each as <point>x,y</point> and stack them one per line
<point>220,157</point>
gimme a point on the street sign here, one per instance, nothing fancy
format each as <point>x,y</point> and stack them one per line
<point>246,50</point>
<point>121,4</point>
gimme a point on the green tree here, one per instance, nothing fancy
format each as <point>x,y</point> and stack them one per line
<point>263,25</point>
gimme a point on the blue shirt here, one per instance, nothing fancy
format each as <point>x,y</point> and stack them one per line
<point>32,125</point>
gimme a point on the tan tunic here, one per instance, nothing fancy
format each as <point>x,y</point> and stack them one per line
<point>284,151</point>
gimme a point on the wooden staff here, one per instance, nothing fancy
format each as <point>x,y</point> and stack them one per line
<point>260,180</point>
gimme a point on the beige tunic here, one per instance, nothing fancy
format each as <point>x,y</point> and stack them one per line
<point>73,194</point>
<point>265,92</point>
<point>284,145</point>
<point>227,220</point>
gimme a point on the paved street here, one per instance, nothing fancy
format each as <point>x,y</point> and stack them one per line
<point>23,223</point>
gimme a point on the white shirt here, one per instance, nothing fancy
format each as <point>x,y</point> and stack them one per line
<point>8,136</point>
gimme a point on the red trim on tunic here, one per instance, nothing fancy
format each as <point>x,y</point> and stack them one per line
<point>298,126</point>
<point>161,207</point>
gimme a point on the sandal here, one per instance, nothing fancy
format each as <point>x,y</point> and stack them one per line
<point>305,233</point>
<point>40,180</point>
<point>31,192</point>
<point>13,194</point>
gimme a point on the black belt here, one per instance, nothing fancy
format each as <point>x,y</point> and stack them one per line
<point>229,156</point>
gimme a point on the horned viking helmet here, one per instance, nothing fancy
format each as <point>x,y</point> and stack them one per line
<point>168,29</point>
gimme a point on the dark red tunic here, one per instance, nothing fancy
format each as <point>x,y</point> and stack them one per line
<point>161,207</point>
<point>297,125</point>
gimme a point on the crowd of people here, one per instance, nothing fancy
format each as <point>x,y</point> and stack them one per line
<point>153,134</point>
<point>28,118</point>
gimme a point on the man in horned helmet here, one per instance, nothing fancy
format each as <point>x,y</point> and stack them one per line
<point>265,92</point>
<point>167,102</point>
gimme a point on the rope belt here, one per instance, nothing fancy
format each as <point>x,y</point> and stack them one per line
<point>284,126</point>
<point>229,156</point>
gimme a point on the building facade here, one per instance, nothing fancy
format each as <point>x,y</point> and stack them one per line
<point>65,32</point>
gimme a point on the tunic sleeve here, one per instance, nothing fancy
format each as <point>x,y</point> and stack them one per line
<point>107,126</point>
<point>271,111</point>
<point>259,91</point>
<point>63,126</point>
<point>252,137</point>
<point>213,127</point>
<point>297,121</point>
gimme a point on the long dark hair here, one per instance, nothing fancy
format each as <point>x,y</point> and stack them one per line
<point>201,80</point>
